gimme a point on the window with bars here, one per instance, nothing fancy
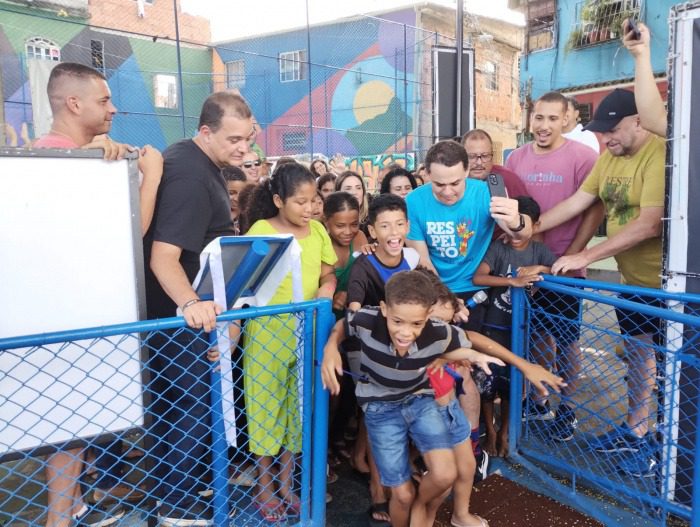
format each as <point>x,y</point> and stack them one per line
<point>97,54</point>
<point>43,49</point>
<point>292,65</point>
<point>235,74</point>
<point>165,91</point>
<point>585,112</point>
<point>490,72</point>
<point>601,21</point>
<point>541,19</point>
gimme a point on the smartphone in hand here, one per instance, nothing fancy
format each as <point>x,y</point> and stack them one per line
<point>497,188</point>
<point>634,28</point>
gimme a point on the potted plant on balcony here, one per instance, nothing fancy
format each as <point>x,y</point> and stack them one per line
<point>603,19</point>
<point>577,39</point>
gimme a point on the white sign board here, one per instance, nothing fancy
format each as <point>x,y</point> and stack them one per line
<point>71,253</point>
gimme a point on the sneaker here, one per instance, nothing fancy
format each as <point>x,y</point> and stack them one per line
<point>101,516</point>
<point>642,463</point>
<point>564,425</point>
<point>482,467</point>
<point>533,411</point>
<point>619,439</point>
<point>189,515</point>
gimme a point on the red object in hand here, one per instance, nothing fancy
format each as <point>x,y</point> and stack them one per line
<point>441,385</point>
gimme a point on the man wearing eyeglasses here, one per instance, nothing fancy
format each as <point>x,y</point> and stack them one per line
<point>479,147</point>
<point>251,166</point>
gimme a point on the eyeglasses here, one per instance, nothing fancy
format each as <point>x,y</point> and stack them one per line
<point>485,156</point>
<point>251,164</point>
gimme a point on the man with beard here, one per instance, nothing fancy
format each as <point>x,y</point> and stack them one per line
<point>629,179</point>
<point>552,169</point>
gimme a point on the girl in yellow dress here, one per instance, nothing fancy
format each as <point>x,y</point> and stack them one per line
<point>282,205</point>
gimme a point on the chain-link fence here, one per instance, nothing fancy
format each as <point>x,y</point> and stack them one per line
<point>358,89</point>
<point>130,423</point>
<point>626,425</point>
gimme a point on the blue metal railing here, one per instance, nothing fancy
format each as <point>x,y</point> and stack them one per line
<point>316,320</point>
<point>599,396</point>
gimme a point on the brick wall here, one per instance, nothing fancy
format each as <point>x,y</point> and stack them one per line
<point>159,19</point>
<point>497,111</point>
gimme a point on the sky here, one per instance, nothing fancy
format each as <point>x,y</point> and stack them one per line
<point>229,20</point>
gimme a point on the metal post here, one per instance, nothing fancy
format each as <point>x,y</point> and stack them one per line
<point>307,414</point>
<point>405,95</point>
<point>219,448</point>
<point>459,35</point>
<point>324,324</point>
<point>181,94</point>
<point>696,472</point>
<point>308,58</point>
<point>516,378</point>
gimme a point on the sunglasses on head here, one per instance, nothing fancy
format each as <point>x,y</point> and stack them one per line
<point>251,164</point>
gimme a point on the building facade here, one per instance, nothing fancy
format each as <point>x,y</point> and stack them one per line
<point>130,42</point>
<point>370,82</point>
<point>573,46</point>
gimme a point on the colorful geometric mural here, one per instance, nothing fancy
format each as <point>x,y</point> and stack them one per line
<point>129,63</point>
<point>357,97</point>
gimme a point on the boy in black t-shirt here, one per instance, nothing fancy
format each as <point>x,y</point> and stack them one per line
<point>388,224</point>
<point>515,263</point>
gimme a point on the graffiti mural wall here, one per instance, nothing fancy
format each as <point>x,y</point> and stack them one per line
<point>361,79</point>
<point>136,69</point>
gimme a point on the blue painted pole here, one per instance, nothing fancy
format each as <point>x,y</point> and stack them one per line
<point>516,378</point>
<point>696,471</point>
<point>219,447</point>
<point>219,456</point>
<point>307,430</point>
<point>324,324</point>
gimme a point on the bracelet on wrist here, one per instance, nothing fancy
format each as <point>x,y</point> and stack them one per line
<point>189,303</point>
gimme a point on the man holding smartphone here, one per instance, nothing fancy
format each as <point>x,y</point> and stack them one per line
<point>452,219</point>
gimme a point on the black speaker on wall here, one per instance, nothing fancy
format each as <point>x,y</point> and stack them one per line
<point>445,93</point>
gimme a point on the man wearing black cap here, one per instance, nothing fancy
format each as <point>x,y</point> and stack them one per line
<point>629,179</point>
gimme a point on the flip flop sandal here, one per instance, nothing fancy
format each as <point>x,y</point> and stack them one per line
<point>270,511</point>
<point>482,522</point>
<point>377,508</point>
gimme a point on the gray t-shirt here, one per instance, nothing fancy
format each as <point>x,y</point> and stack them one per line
<point>505,260</point>
<point>389,376</point>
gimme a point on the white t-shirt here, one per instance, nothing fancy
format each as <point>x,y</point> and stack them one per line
<point>586,137</point>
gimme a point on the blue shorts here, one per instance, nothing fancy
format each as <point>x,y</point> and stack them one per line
<point>456,422</point>
<point>391,424</point>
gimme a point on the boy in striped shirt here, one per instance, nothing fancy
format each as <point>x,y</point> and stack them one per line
<point>399,344</point>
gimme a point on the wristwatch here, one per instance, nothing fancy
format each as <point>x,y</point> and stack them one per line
<point>520,227</point>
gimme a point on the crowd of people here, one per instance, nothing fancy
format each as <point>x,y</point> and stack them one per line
<point>406,360</point>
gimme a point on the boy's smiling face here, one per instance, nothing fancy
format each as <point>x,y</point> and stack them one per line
<point>390,230</point>
<point>404,322</point>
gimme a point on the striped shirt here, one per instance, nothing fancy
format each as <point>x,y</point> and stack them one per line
<point>388,375</point>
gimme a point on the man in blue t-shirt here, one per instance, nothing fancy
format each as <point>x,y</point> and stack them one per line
<point>452,219</point>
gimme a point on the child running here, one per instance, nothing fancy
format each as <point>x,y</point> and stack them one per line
<point>282,204</point>
<point>387,223</point>
<point>516,263</point>
<point>399,343</point>
<point>445,307</point>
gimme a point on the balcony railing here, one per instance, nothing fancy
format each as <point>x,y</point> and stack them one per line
<point>600,21</point>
